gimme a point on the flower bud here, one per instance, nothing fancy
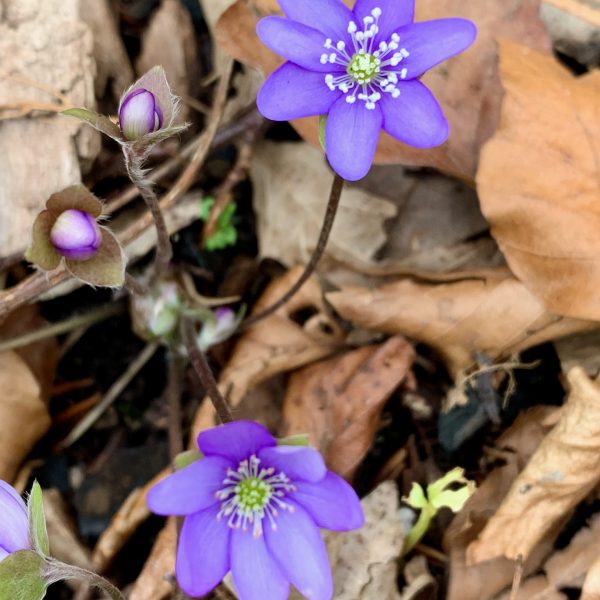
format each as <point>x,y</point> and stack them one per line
<point>75,235</point>
<point>216,330</point>
<point>14,530</point>
<point>139,114</point>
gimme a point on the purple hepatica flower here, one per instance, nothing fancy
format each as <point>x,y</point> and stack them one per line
<point>76,235</point>
<point>361,69</point>
<point>255,508</point>
<point>14,528</point>
<point>139,114</point>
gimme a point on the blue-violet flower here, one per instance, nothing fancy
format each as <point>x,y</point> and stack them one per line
<point>14,532</point>
<point>76,235</point>
<point>139,114</point>
<point>361,69</point>
<point>255,508</point>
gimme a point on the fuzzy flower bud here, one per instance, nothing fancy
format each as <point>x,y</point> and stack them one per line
<point>14,533</point>
<point>76,235</point>
<point>216,330</point>
<point>139,114</point>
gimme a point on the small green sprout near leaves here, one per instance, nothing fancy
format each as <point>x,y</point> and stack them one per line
<point>185,459</point>
<point>226,233</point>
<point>300,439</point>
<point>438,496</point>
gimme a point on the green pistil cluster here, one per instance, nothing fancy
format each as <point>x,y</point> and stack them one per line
<point>363,67</point>
<point>253,494</point>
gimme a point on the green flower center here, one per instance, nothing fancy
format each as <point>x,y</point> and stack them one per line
<point>363,67</point>
<point>253,494</point>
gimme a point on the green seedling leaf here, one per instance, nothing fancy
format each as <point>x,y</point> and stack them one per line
<point>21,577</point>
<point>99,122</point>
<point>185,459</point>
<point>416,498</point>
<point>37,521</point>
<point>206,205</point>
<point>322,123</point>
<point>300,439</point>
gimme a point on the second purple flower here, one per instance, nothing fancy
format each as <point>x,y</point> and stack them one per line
<point>255,508</point>
<point>361,69</point>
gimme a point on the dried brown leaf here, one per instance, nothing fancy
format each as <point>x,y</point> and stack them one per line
<point>290,184</point>
<point>338,402</point>
<point>539,180</point>
<point>484,580</point>
<point>564,469</point>
<point>591,586</point>
<point>467,87</point>
<point>494,315</point>
<point>278,343</point>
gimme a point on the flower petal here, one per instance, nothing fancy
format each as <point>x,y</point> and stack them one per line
<point>394,14</point>
<point>191,489</point>
<point>3,553</point>
<point>292,92</point>
<point>14,534</point>
<point>297,546</point>
<point>329,16</point>
<point>298,43</point>
<point>432,42</point>
<point>415,117</point>
<point>296,462</point>
<point>235,441</point>
<point>351,135</point>
<point>203,552</point>
<point>255,573</point>
<point>332,503</point>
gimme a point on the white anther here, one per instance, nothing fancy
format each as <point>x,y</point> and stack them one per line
<point>395,37</point>
<point>350,99</point>
<point>332,57</point>
<point>368,20</point>
<point>341,45</point>
<point>328,43</point>
<point>376,12</point>
<point>396,93</point>
<point>403,73</point>
<point>352,27</point>
<point>324,59</point>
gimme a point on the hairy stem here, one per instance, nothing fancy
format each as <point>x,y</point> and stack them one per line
<point>57,571</point>
<point>164,250</point>
<point>330,213</point>
<point>203,371</point>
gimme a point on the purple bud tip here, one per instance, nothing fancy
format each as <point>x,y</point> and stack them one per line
<point>139,114</point>
<point>76,235</point>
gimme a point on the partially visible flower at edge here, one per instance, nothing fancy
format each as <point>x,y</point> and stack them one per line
<point>217,329</point>
<point>14,530</point>
<point>255,508</point>
<point>361,69</point>
<point>68,229</point>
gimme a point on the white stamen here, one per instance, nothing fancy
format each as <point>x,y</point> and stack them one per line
<point>370,69</point>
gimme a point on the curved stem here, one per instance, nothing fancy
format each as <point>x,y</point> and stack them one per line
<point>330,213</point>
<point>164,250</point>
<point>202,368</point>
<point>57,571</point>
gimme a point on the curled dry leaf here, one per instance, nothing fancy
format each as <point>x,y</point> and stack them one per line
<point>338,402</point>
<point>565,568</point>
<point>495,315</point>
<point>25,380</point>
<point>484,580</point>
<point>279,343</point>
<point>539,180</point>
<point>591,586</point>
<point>561,473</point>
<point>290,184</point>
<point>467,87</point>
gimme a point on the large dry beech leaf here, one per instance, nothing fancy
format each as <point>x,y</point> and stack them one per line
<point>467,87</point>
<point>290,184</point>
<point>539,180</point>
<point>565,568</point>
<point>516,446</point>
<point>25,379</point>
<point>561,473</point>
<point>493,314</point>
<point>338,402</point>
<point>364,563</point>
